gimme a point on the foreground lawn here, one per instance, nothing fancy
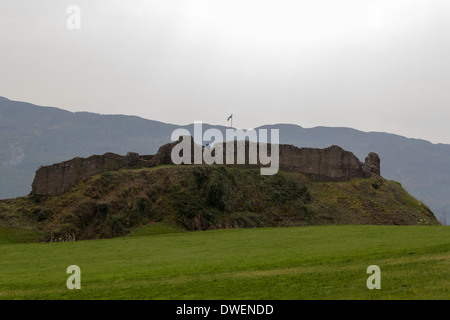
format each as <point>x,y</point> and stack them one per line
<point>320,262</point>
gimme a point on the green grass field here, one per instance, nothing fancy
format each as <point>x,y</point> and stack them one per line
<point>157,262</point>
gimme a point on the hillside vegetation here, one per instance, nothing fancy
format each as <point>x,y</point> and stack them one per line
<point>209,197</point>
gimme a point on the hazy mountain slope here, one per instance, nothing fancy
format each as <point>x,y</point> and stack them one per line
<point>31,136</point>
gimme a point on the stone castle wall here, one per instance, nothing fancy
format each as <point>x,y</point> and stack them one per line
<point>59,177</point>
<point>329,164</point>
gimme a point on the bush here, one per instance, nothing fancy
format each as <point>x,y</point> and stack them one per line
<point>152,194</point>
<point>186,203</point>
<point>245,220</point>
<point>142,205</point>
<point>42,215</point>
<point>133,215</point>
<point>117,225</point>
<point>201,175</point>
<point>102,210</point>
<point>283,190</point>
<point>216,193</point>
<point>106,178</point>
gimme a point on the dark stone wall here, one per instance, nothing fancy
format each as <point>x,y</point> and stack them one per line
<point>329,164</point>
<point>373,161</point>
<point>60,177</point>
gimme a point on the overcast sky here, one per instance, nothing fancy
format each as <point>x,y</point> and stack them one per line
<point>369,65</point>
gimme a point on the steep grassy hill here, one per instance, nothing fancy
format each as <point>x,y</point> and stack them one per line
<point>209,197</point>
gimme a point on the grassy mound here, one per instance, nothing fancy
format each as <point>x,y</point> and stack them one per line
<point>210,197</point>
<point>17,235</point>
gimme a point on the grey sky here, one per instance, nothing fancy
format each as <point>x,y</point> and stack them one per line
<point>370,65</point>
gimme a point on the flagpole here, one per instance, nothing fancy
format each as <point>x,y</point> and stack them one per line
<point>231,117</point>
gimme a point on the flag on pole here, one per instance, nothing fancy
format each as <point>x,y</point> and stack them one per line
<point>230,117</point>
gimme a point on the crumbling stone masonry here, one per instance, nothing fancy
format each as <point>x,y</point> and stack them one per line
<point>329,164</point>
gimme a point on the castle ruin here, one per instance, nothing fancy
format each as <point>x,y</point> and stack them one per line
<point>328,164</point>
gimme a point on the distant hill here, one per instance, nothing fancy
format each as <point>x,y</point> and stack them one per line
<point>31,136</point>
<point>203,197</point>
